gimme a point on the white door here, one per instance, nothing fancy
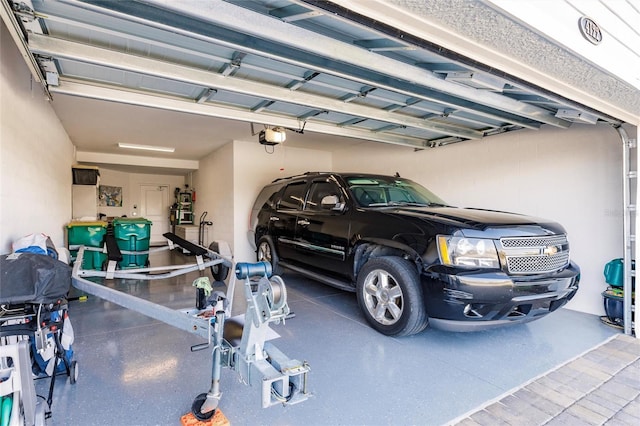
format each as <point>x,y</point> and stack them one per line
<point>154,206</point>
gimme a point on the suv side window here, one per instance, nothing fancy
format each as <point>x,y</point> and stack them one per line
<point>267,197</point>
<point>293,196</point>
<point>317,192</point>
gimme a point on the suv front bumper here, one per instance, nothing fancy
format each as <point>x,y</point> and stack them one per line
<point>471,300</point>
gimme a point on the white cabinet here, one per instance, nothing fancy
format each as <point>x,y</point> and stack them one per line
<point>190,233</point>
<point>84,200</point>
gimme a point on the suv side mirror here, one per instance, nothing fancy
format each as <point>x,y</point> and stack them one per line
<point>331,202</point>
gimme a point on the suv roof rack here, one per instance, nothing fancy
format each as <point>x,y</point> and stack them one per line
<point>296,176</point>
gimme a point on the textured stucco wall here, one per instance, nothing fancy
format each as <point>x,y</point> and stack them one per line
<point>485,33</point>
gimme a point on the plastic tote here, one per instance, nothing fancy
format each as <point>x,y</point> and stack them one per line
<point>132,234</point>
<point>89,234</point>
<point>614,272</point>
<point>613,299</point>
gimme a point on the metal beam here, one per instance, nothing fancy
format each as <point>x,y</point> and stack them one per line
<point>294,13</point>
<point>18,36</point>
<point>146,99</point>
<point>296,82</point>
<point>353,63</point>
<point>124,61</point>
<point>272,38</point>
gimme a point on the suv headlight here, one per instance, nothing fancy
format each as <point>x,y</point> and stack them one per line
<point>467,252</point>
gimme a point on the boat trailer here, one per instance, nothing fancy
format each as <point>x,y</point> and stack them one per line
<point>257,361</point>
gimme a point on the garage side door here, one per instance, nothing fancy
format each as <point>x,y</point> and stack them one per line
<point>154,205</point>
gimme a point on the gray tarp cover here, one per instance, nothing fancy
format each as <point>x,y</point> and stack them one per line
<point>33,278</point>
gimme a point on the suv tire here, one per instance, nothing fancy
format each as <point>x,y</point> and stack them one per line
<point>390,296</point>
<point>266,252</point>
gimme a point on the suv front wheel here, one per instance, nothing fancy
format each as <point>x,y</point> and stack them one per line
<point>390,296</point>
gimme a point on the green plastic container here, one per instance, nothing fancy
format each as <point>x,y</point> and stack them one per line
<point>614,272</point>
<point>132,234</point>
<point>89,234</point>
<point>6,405</point>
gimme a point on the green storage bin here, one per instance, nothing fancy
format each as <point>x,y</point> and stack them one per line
<point>614,272</point>
<point>88,234</point>
<point>132,234</point>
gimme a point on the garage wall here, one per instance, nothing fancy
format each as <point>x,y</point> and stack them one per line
<point>255,166</point>
<point>214,192</point>
<point>572,176</point>
<point>230,178</point>
<point>35,155</point>
<point>130,183</point>
<point>116,178</point>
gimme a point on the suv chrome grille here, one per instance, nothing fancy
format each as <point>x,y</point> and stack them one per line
<point>520,242</point>
<point>535,255</point>
<point>537,264</point>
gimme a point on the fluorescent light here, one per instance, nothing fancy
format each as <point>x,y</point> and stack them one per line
<point>146,147</point>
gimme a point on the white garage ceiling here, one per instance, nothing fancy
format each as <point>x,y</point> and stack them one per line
<point>195,74</point>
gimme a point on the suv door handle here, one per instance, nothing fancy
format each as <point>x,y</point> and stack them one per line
<point>303,222</point>
<point>274,218</point>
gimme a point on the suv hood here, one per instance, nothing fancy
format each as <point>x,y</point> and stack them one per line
<point>479,222</point>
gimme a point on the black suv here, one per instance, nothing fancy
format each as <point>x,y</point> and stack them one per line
<point>412,259</point>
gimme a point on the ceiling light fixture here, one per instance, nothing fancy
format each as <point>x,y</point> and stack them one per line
<point>146,147</point>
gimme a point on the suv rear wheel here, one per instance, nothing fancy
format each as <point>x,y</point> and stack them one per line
<point>390,296</point>
<point>266,252</point>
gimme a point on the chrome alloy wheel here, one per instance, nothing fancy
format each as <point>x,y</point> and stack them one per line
<point>383,297</point>
<point>264,252</point>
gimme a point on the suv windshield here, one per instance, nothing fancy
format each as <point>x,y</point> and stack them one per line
<point>388,191</point>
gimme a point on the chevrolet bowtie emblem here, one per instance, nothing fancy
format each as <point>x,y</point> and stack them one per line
<point>550,250</point>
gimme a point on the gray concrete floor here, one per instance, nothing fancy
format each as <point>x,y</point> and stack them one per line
<point>134,370</point>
